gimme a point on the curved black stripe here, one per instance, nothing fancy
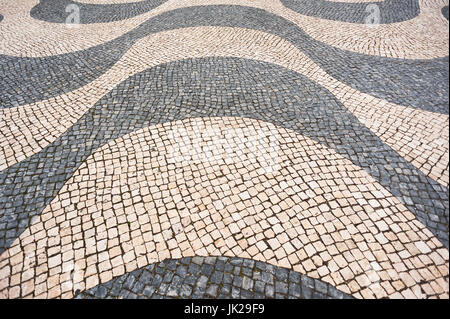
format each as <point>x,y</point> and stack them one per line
<point>55,10</point>
<point>215,87</point>
<point>445,12</point>
<point>421,84</point>
<point>213,277</point>
<point>28,80</point>
<point>390,11</point>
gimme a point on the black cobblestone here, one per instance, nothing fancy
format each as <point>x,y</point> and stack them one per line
<point>216,85</point>
<point>391,11</point>
<point>55,10</point>
<point>249,287</point>
<point>418,83</point>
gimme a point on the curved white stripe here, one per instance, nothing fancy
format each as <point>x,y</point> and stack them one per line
<point>109,1</point>
<point>26,129</point>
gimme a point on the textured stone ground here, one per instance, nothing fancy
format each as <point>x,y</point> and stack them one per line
<point>213,277</point>
<point>224,149</point>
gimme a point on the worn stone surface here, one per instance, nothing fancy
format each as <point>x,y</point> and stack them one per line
<point>445,12</point>
<point>212,277</point>
<point>224,149</point>
<point>356,12</point>
<point>55,11</point>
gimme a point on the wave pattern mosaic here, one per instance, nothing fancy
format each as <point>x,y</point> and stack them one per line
<point>224,149</point>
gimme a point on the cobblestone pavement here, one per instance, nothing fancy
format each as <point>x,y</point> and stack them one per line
<point>213,277</point>
<point>224,149</point>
